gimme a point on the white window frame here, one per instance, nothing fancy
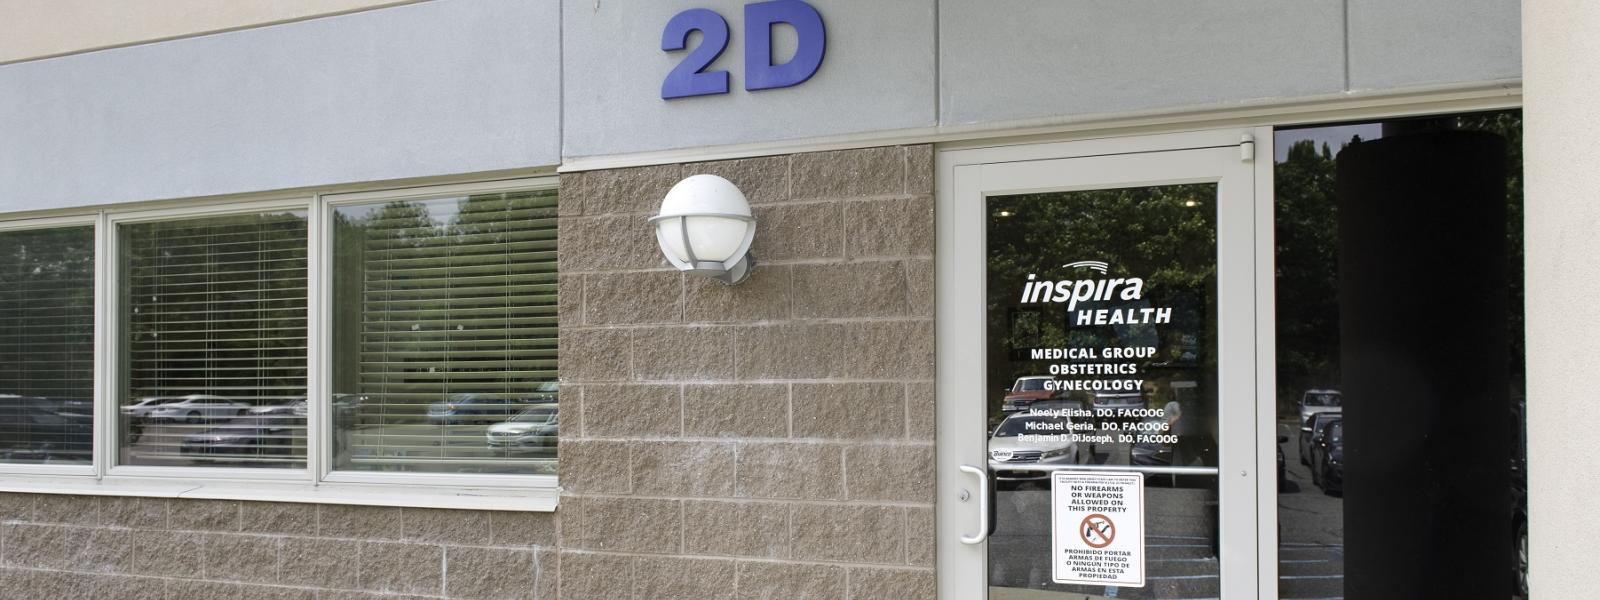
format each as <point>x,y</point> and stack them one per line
<point>78,220</point>
<point>318,482</point>
<point>110,352</point>
<point>324,336</point>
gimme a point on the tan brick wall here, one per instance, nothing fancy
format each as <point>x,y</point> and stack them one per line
<point>768,440</point>
<point>56,546</point>
<point>772,440</point>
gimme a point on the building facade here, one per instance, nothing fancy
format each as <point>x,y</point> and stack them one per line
<point>338,299</point>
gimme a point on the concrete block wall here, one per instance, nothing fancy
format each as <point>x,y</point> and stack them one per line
<point>762,441</point>
<point>60,546</point>
<point>768,440</point>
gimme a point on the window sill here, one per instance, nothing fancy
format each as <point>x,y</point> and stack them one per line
<point>409,496</point>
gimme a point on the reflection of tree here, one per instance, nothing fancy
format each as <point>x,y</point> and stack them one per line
<point>1165,235</point>
<point>47,312</point>
<point>1307,272</point>
<point>215,305</point>
<point>1509,125</point>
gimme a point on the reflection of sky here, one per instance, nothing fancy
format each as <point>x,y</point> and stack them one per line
<point>1335,137</point>
<point>443,211</point>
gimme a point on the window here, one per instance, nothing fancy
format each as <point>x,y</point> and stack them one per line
<point>213,341</point>
<point>1452,430</point>
<point>390,347</point>
<point>47,345</point>
<point>444,334</point>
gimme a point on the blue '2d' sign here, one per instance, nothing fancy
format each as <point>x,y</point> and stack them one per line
<point>690,78</point>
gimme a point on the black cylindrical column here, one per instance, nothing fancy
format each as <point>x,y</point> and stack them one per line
<point>1422,302</point>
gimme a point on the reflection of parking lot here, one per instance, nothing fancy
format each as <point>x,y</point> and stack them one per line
<point>1180,551</point>
<point>1180,537</point>
<point>224,442</point>
<point>1310,530</point>
<point>462,448</point>
<point>244,442</point>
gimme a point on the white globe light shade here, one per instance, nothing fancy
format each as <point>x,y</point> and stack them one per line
<point>705,227</point>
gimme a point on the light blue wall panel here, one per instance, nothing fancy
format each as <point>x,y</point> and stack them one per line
<point>450,86</point>
<point>1074,58</point>
<point>878,74</point>
<point>1431,42</point>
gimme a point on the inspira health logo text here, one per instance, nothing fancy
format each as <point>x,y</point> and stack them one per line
<point>1073,291</point>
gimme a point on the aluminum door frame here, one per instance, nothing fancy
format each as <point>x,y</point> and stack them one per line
<point>1239,161</point>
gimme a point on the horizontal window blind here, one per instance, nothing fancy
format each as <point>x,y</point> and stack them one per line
<point>445,334</point>
<point>47,345</point>
<point>213,314</point>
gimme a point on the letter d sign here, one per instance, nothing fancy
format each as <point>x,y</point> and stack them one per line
<point>759,72</point>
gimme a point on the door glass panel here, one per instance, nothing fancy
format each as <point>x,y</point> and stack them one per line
<point>1102,339</point>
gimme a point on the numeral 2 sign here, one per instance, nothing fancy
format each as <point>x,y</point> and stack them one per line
<point>690,77</point>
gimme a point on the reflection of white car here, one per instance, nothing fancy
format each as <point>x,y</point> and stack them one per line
<point>144,406</point>
<point>195,408</point>
<point>1027,438</point>
<point>535,427</point>
<point>1319,401</point>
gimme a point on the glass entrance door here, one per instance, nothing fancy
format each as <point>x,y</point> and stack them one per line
<point>1098,424</point>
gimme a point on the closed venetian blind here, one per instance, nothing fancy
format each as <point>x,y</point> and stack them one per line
<point>214,341</point>
<point>446,330</point>
<point>46,345</point>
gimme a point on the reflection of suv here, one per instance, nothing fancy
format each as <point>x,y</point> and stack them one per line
<point>1113,401</point>
<point>1319,401</point>
<point>1116,400</point>
<point>1025,392</point>
<point>31,430</point>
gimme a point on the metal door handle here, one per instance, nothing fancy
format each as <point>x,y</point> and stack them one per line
<point>983,506</point>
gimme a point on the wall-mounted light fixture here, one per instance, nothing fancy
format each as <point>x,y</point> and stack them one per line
<point>705,228</point>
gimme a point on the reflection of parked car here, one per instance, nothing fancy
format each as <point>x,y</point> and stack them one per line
<point>347,410</point>
<point>1281,478</point>
<point>1519,501</point>
<point>1320,401</point>
<point>1115,401</point>
<point>1327,457</point>
<point>196,408</point>
<point>134,416</point>
<point>1309,431</point>
<point>31,430</point>
<point>1048,442</point>
<point>289,414</point>
<point>535,427</point>
<point>1150,453</point>
<point>142,407</point>
<point>237,439</point>
<point>1025,392</point>
<point>548,391</point>
<point>471,408</point>
<point>1118,400</point>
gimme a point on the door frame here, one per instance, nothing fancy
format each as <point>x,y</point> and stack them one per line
<point>959,328</point>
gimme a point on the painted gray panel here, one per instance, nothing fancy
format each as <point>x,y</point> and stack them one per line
<point>877,74</point>
<point>442,87</point>
<point>1069,58</point>
<point>1421,42</point>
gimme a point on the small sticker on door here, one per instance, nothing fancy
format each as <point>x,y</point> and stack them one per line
<point>1097,528</point>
